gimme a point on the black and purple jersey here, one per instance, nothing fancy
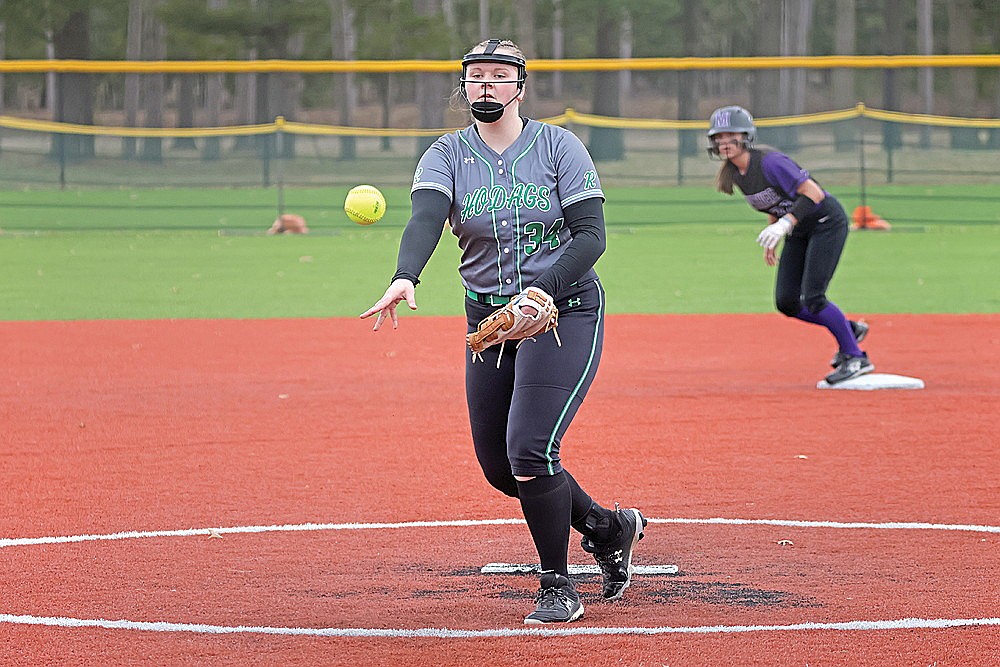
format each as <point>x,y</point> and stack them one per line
<point>770,182</point>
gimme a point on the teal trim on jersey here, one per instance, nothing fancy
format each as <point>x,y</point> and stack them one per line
<point>493,215</point>
<point>517,212</point>
<point>576,389</point>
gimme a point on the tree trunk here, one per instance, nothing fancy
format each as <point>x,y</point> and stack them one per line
<point>74,92</point>
<point>484,19</point>
<point>796,24</point>
<point>625,51</point>
<point>154,42</point>
<point>994,141</point>
<point>286,92</point>
<point>963,79</point>
<point>765,93</point>
<point>690,143</point>
<point>245,102</point>
<point>558,47</point>
<point>844,132</point>
<point>925,36</point>
<point>385,93</point>
<point>49,99</point>
<point>800,47</point>
<point>524,37</point>
<point>892,44</point>
<point>524,10</point>
<point>344,42</point>
<point>185,109</point>
<point>133,81</point>
<point>3,56</point>
<point>212,146</point>
<point>431,86</point>
<point>607,143</point>
<point>451,20</point>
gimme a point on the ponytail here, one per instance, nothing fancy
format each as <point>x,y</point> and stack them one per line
<point>724,179</point>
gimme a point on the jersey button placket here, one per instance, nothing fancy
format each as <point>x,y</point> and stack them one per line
<point>508,268</point>
<point>505,257</point>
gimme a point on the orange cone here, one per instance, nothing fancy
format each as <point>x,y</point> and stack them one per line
<point>864,218</point>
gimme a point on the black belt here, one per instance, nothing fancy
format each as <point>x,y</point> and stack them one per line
<point>488,299</point>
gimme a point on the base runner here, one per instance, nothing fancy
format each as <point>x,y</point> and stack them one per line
<point>810,220</point>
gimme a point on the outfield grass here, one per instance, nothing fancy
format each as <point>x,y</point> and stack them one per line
<point>201,254</point>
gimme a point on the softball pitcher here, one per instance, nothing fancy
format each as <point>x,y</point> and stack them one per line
<point>524,200</point>
<point>810,220</point>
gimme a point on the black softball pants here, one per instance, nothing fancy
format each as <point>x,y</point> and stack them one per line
<point>809,258</point>
<point>520,411</point>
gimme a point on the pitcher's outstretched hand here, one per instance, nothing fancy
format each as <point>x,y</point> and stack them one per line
<point>401,289</point>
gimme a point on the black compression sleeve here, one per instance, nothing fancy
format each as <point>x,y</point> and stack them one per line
<point>422,233</point>
<point>585,220</point>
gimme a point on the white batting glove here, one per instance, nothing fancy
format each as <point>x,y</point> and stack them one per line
<point>774,232</point>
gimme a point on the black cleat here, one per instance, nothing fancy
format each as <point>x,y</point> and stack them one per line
<point>860,329</point>
<point>615,557</point>
<point>851,367</point>
<point>557,601</point>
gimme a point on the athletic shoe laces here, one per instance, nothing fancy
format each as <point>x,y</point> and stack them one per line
<point>553,598</point>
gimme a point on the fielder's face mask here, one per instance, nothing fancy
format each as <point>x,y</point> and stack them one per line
<point>491,112</point>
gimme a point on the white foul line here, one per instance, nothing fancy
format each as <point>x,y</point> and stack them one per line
<point>301,527</point>
<point>890,525</point>
<point>211,532</point>
<point>447,633</point>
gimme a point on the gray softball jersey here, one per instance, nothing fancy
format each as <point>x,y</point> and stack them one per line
<point>507,209</point>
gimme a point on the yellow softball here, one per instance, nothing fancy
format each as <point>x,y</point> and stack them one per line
<point>364,204</point>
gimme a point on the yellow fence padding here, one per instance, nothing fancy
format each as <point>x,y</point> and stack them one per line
<point>570,116</point>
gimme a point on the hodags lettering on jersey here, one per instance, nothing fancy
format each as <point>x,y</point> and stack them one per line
<point>487,199</point>
<point>766,200</point>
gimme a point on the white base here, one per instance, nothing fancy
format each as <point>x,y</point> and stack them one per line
<point>528,568</point>
<point>875,381</point>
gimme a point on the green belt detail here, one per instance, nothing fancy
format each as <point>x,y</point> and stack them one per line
<point>488,299</point>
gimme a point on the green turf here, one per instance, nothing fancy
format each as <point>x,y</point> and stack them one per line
<point>201,254</point>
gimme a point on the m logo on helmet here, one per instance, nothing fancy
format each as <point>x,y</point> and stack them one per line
<point>721,119</point>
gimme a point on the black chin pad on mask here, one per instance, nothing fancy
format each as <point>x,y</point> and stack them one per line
<point>487,112</point>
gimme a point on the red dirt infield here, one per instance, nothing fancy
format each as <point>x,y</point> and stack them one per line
<point>116,426</point>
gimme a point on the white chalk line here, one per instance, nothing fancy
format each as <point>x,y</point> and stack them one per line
<point>448,633</point>
<point>213,532</point>
<point>301,527</point>
<point>890,525</point>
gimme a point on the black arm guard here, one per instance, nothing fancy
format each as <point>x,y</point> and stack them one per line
<point>802,207</point>
<point>585,220</point>
<point>422,233</point>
